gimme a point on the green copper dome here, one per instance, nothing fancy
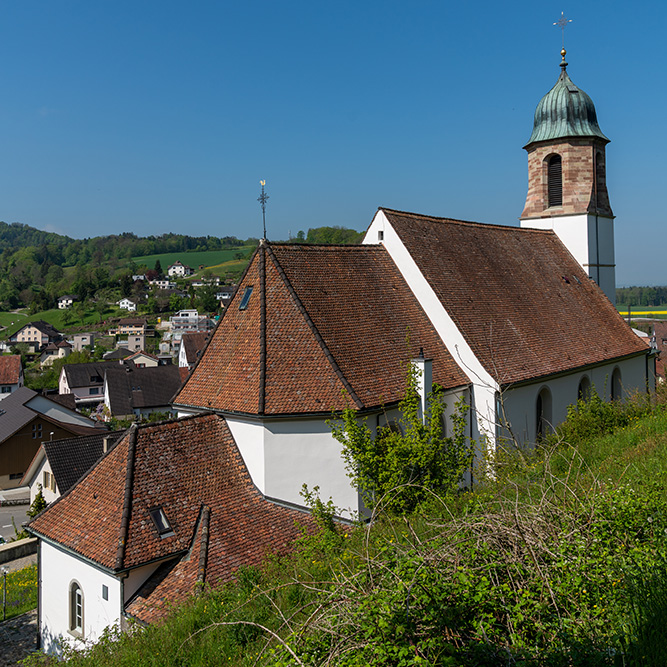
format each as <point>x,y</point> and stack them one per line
<point>565,111</point>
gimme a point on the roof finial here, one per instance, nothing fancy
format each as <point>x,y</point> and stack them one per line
<point>561,23</point>
<point>262,200</point>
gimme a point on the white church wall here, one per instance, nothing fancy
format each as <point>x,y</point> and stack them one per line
<point>135,579</point>
<point>484,385</point>
<point>249,438</point>
<point>520,403</point>
<point>58,570</point>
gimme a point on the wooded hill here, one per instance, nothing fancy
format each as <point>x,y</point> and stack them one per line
<point>37,267</point>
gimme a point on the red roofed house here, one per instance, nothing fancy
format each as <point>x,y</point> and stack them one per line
<point>131,538</point>
<point>11,374</point>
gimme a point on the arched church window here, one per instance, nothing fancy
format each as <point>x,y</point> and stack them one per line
<point>584,392</point>
<point>543,414</point>
<point>616,386</point>
<point>75,608</point>
<point>555,180</point>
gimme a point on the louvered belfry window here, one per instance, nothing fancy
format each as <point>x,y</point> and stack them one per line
<point>555,181</point>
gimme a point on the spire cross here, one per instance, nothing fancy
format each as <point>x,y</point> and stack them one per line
<point>262,200</point>
<point>562,23</point>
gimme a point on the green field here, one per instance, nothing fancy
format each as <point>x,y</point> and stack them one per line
<point>208,258</point>
<point>53,317</point>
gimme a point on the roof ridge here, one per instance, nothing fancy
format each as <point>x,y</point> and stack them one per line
<point>471,223</point>
<point>261,404</point>
<point>318,336</point>
<point>127,501</point>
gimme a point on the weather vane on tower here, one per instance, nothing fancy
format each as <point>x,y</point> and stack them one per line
<point>262,200</point>
<point>562,23</point>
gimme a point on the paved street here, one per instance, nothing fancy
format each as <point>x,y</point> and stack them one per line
<point>6,514</point>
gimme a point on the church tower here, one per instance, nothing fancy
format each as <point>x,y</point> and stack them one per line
<point>567,183</point>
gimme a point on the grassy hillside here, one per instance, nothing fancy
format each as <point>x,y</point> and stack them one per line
<point>560,560</point>
<point>208,258</point>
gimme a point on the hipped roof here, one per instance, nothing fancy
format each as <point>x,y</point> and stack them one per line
<point>325,327</point>
<point>192,469</point>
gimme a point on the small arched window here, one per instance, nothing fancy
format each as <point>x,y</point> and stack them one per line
<point>616,386</point>
<point>554,180</point>
<point>584,392</point>
<point>75,608</point>
<point>543,414</point>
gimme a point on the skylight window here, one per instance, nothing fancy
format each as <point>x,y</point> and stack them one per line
<point>161,522</point>
<point>246,297</point>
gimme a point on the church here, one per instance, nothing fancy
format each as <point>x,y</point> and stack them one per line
<point>517,321</point>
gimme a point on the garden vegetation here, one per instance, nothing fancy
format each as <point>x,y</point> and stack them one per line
<point>559,559</point>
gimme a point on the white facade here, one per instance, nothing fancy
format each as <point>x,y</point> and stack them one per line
<point>126,304</point>
<point>178,269</point>
<point>102,603</point>
<point>590,239</point>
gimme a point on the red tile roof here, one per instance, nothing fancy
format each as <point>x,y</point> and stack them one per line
<point>10,368</point>
<point>523,303</point>
<point>184,467</point>
<point>325,325</point>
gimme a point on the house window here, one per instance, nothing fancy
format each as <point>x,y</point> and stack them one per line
<point>75,609</point>
<point>36,431</point>
<point>105,592</point>
<point>93,391</point>
<point>5,390</point>
<point>543,414</point>
<point>555,180</point>
<point>616,386</point>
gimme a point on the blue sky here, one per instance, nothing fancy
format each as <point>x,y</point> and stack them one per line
<point>151,116</point>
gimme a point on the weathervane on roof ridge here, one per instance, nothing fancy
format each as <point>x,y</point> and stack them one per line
<point>562,23</point>
<point>262,200</point>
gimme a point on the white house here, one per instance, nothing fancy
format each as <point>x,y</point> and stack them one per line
<point>66,301</point>
<point>126,304</point>
<point>179,269</point>
<point>132,538</point>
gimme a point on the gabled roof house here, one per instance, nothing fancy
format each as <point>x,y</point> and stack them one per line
<point>148,524</point>
<point>11,374</point>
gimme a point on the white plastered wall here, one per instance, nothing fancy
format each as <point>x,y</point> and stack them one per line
<point>484,387</point>
<point>58,569</point>
<point>520,403</point>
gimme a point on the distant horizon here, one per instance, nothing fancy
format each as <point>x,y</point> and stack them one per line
<point>154,118</point>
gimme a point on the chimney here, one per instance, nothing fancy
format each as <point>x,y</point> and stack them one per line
<point>105,443</point>
<point>424,368</point>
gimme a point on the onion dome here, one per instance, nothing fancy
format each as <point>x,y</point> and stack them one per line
<point>565,111</point>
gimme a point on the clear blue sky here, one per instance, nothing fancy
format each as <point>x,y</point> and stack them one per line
<point>151,117</point>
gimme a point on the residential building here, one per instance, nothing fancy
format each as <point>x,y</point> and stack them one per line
<point>185,524</point>
<point>192,345</point>
<point>11,374</point>
<point>26,419</point>
<point>36,335</point>
<point>53,351</point>
<point>126,304</point>
<point>66,301</point>
<point>82,341</point>
<point>59,464</point>
<point>179,269</point>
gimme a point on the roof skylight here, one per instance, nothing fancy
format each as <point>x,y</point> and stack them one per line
<point>161,522</point>
<point>246,297</point>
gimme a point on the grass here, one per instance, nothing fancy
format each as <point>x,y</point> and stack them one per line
<point>53,317</point>
<point>21,591</point>
<point>208,258</point>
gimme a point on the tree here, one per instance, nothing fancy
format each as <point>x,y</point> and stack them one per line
<point>404,462</point>
<point>38,504</point>
<point>158,268</point>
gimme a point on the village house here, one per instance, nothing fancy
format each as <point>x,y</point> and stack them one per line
<point>126,304</point>
<point>60,350</point>
<point>169,528</point>
<point>11,374</point>
<point>36,335</point>
<point>59,464</point>
<point>81,341</point>
<point>179,269</point>
<point>191,347</point>
<point>66,301</point>
<point>26,419</point>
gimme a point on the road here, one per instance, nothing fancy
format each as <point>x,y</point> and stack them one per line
<point>6,514</point>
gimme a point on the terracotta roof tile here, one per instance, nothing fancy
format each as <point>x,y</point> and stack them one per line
<point>10,368</point>
<point>337,319</point>
<point>181,466</point>
<point>525,306</point>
